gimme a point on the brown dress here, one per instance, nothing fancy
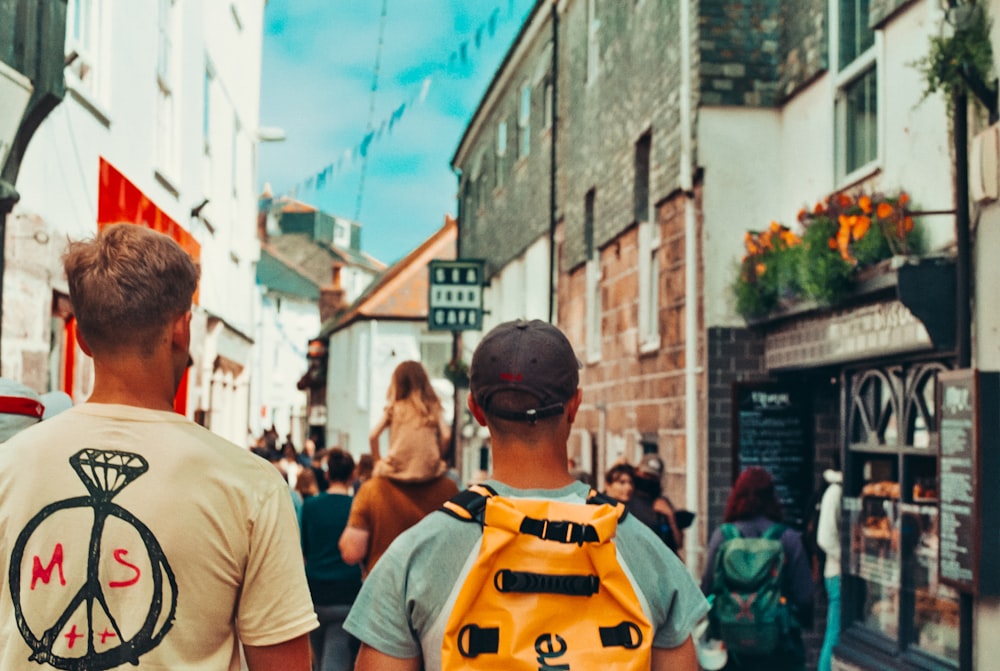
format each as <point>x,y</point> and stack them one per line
<point>414,445</point>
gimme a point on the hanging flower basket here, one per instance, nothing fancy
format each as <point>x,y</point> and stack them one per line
<point>457,372</point>
<point>840,237</point>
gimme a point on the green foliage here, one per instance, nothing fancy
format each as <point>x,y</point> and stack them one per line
<point>969,46</point>
<point>824,275</point>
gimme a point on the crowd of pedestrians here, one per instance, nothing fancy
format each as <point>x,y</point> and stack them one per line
<point>306,558</point>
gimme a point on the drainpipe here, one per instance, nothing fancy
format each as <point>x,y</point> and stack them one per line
<point>553,275</point>
<point>963,345</point>
<point>691,371</point>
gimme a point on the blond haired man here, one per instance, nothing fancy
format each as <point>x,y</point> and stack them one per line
<point>130,536</point>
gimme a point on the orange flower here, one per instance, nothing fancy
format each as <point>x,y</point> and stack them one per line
<point>844,200</point>
<point>818,209</point>
<point>860,226</point>
<point>775,227</point>
<point>760,268</point>
<point>801,216</point>
<point>884,210</point>
<point>865,203</point>
<point>904,198</point>
<point>904,226</point>
<point>843,240</point>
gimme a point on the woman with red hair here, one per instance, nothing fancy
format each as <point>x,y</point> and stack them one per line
<point>753,508</point>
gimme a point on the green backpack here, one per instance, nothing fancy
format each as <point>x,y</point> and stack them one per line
<point>748,613</point>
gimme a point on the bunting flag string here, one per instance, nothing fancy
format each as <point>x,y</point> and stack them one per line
<point>458,60</point>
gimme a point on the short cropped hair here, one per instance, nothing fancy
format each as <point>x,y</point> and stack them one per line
<point>339,465</point>
<point>128,283</point>
<point>516,401</point>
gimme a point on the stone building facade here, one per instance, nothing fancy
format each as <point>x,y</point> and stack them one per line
<point>677,127</point>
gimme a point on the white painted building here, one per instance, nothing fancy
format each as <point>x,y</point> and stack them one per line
<point>310,262</point>
<point>384,327</point>
<point>158,127</point>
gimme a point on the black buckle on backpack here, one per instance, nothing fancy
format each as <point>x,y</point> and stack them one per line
<point>624,635</point>
<point>478,640</point>
<point>560,531</point>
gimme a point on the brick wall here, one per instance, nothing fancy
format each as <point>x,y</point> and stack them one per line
<point>631,394</point>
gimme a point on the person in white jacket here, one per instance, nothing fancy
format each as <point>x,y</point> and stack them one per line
<point>828,539</point>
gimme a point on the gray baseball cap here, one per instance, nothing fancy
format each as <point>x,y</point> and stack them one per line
<point>533,357</point>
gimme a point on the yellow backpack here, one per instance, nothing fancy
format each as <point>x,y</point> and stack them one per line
<point>546,591</point>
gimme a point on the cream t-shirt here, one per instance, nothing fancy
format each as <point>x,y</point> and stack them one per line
<point>134,536</point>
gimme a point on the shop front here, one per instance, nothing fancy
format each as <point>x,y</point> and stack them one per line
<point>900,609</point>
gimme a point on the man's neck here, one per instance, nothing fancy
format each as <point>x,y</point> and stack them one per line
<point>530,466</point>
<point>143,383</point>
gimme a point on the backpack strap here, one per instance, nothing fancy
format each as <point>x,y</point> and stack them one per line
<point>774,532</point>
<point>468,505</point>
<point>730,531</point>
<point>596,498</point>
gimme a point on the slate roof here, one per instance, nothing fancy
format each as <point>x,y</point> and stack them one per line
<point>401,291</point>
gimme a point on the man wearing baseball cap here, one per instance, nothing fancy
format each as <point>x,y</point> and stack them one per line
<point>524,387</point>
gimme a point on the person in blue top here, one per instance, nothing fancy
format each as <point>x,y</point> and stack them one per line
<point>333,584</point>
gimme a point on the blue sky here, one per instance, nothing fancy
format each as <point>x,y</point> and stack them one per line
<point>437,59</point>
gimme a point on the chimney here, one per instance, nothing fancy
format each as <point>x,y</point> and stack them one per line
<point>331,297</point>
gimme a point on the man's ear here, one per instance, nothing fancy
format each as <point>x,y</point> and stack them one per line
<point>573,405</point>
<point>476,411</point>
<point>83,344</point>
<point>180,332</point>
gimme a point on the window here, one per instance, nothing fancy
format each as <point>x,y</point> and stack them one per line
<point>649,248</point>
<point>856,102</point>
<point>593,50</point>
<point>206,109</point>
<point>166,152</point>
<point>593,280</point>
<point>237,127</point>
<point>524,122</point>
<point>501,152</point>
<point>84,21</point>
<point>549,93</point>
<point>478,183</point>
<point>891,512</point>
<point>435,353</point>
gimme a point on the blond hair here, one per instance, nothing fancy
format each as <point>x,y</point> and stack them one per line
<point>127,284</point>
<point>410,381</point>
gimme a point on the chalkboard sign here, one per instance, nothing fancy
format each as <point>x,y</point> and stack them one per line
<point>772,428</point>
<point>968,409</point>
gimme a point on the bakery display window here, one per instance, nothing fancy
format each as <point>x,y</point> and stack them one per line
<point>893,602</point>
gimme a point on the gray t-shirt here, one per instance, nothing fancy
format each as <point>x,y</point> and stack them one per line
<point>403,606</point>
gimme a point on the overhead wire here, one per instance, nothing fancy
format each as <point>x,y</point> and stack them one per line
<point>371,109</point>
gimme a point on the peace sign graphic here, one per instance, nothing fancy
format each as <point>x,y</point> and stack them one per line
<point>98,626</point>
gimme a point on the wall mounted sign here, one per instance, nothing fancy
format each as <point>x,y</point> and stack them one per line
<point>455,302</point>
<point>970,421</point>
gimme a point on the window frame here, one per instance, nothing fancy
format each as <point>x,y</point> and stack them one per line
<point>846,75</point>
<point>592,273</point>
<point>524,122</point>
<point>648,242</point>
<point>592,68</point>
<point>87,72</point>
